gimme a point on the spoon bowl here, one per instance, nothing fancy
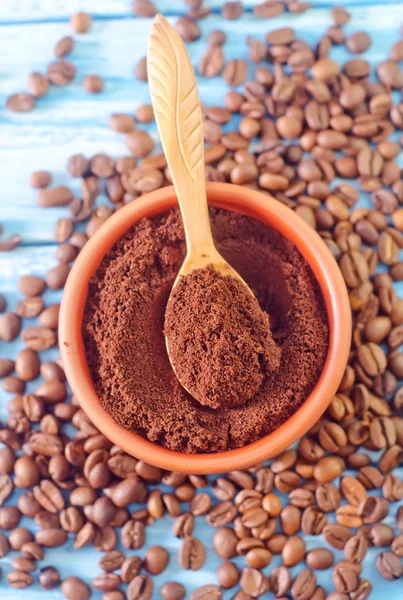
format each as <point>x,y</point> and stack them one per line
<point>178,116</point>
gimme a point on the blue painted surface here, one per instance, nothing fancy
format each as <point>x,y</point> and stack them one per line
<point>68,121</point>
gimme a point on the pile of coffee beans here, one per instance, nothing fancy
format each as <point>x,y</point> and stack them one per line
<point>314,134</point>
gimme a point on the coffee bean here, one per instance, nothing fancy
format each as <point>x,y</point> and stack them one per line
<point>7,460</point>
<point>258,558</point>
<point>81,23</point>
<point>74,588</point>
<point>21,563</point>
<point>9,517</point>
<point>144,8</point>
<point>21,102</point>
<point>345,578</point>
<point>57,196</point>
<point>192,554</point>
<point>293,551</point>
<point>49,578</point>
<point>4,547</point>
<point>373,509</point>
<point>93,84</point>
<point>18,537</point>
<point>140,71</point>
<point>389,565</point>
<point>10,326</point>
<point>57,277</point>
<point>51,538</point>
<point>38,85</point>
<point>319,558</point>
<point>390,74</point>
<point>337,536</point>
<point>40,179</point>
<point>304,585</point>
<point>140,588</point>
<point>212,62</point>
<point>61,72</point>
<point>268,9</point>
<point>27,365</point>
<point>188,29</point>
<point>6,488</point>
<point>63,47</point>
<point>358,42</point>
<point>207,592</point>
<point>19,579</point>
<point>133,535</point>
<point>171,590</point>
<point>29,307</point>
<point>130,568</point>
<point>253,582</point>
<point>106,582</point>
<point>156,560</point>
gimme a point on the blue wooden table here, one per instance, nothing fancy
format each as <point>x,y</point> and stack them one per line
<point>68,121</point>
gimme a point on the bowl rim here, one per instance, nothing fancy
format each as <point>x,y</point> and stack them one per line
<point>238,199</point>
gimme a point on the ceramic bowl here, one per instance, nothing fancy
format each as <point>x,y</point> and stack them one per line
<point>265,209</point>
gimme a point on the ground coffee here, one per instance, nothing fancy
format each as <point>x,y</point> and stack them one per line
<point>220,341</point>
<point>123,332</point>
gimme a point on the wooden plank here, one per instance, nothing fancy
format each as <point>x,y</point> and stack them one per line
<point>22,11</point>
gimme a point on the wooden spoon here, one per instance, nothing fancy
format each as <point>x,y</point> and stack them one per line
<point>177,110</point>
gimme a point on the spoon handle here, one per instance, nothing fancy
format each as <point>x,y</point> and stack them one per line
<point>179,119</point>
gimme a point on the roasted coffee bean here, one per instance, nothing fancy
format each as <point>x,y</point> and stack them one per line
<point>106,582</point>
<point>212,61</point>
<point>18,537</point>
<point>81,22</point>
<point>21,102</point>
<point>207,592</point>
<point>192,554</point>
<point>93,84</point>
<point>156,560</point>
<point>27,365</point>
<point>188,29</point>
<point>9,517</point>
<point>61,72</point>
<point>389,565</point>
<point>51,538</point>
<point>10,326</point>
<point>4,547</point>
<point>373,509</point>
<point>221,514</point>
<point>133,535</point>
<point>19,579</point>
<point>63,47</point>
<point>130,568</point>
<point>293,551</point>
<point>144,8</point>
<point>381,535</point>
<point>304,585</point>
<point>200,504</point>
<point>319,559</point>
<point>253,582</point>
<point>172,591</point>
<point>6,488</point>
<point>49,578</point>
<point>225,542</point>
<point>74,588</point>
<point>140,588</point>
<point>397,546</point>
<point>111,561</point>
<point>345,578</point>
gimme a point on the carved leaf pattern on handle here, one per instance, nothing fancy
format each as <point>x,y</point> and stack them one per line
<point>174,92</point>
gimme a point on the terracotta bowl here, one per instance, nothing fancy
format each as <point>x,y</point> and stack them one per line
<point>311,246</point>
